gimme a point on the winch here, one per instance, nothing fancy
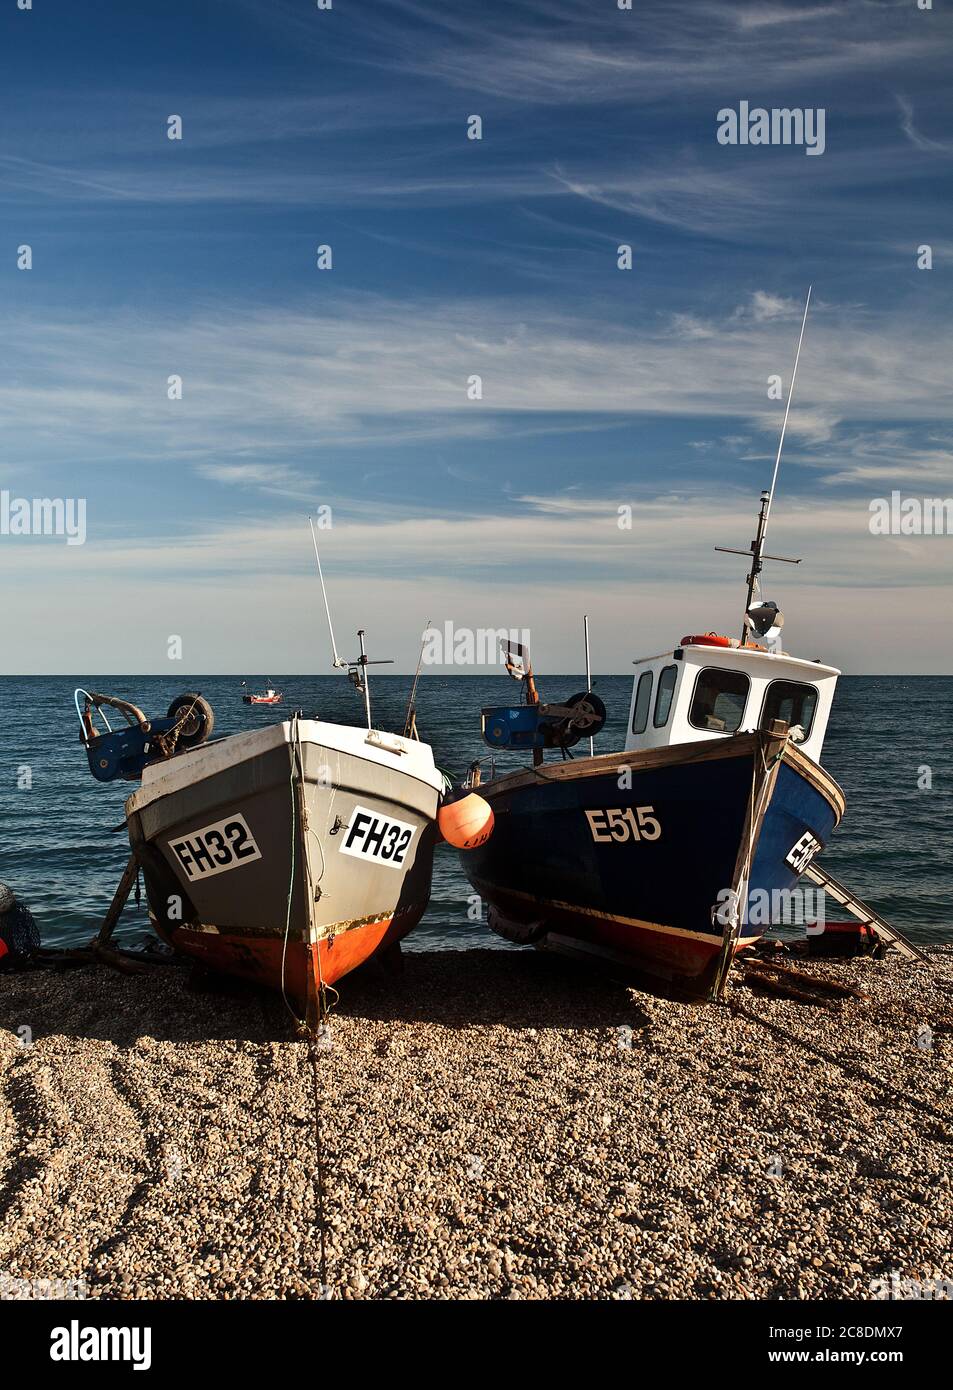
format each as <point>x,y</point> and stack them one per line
<point>126,751</point>
<point>544,726</point>
<point>535,725</point>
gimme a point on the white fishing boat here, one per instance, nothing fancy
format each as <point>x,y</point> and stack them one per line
<point>288,855</point>
<point>291,854</point>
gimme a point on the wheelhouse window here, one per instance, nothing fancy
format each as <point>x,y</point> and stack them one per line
<point>663,695</point>
<point>792,701</point>
<point>718,703</point>
<point>643,699</point>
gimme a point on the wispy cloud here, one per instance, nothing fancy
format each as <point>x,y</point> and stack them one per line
<point>557,54</point>
<point>765,306</point>
<point>921,142</point>
<point>891,458</point>
<point>270,477</point>
<point>575,530</point>
<point>259,384</point>
<point>757,16</point>
<point>290,186</point>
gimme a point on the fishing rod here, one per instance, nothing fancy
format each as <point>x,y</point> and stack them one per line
<point>410,723</point>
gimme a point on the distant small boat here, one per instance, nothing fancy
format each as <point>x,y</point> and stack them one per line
<point>266,697</point>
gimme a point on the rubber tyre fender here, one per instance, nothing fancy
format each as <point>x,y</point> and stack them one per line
<point>198,727</point>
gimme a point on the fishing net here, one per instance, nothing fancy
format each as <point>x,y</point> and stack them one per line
<point>19,933</point>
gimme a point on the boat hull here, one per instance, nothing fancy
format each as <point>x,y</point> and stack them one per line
<point>299,900</point>
<point>623,858</point>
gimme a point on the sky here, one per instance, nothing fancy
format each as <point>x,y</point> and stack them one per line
<point>346,388</point>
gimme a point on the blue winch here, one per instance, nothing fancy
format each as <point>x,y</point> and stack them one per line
<point>544,726</point>
<point>125,752</point>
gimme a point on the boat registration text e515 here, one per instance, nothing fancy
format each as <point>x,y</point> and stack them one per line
<point>624,823</point>
<point>370,835</point>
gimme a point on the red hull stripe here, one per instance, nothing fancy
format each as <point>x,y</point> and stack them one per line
<point>260,958</point>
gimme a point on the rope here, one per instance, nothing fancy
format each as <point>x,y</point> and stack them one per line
<point>319,1182</point>
<point>297,766</point>
<point>168,742</point>
<point>320,1186</point>
<point>741,909</point>
<point>291,883</point>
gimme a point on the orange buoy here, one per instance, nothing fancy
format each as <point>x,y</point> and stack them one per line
<point>466,821</point>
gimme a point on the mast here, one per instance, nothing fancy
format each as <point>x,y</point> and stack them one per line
<point>585,628</point>
<point>757,563</point>
<point>362,662</point>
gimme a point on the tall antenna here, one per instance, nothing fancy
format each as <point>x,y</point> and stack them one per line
<point>756,549</point>
<point>787,410</point>
<point>327,608</point>
<point>356,669</point>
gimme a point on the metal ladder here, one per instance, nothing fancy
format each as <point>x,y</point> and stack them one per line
<point>881,928</point>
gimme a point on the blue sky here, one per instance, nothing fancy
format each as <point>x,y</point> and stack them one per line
<point>453,257</point>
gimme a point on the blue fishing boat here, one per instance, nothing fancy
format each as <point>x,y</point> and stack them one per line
<point>651,857</point>
<point>669,856</point>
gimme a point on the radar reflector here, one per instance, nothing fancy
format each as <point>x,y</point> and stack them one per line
<point>765,620</point>
<point>764,616</point>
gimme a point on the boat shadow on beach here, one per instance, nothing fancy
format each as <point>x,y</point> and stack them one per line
<point>451,989</point>
<point>483,988</point>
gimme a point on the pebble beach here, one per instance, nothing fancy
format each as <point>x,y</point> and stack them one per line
<point>492,1125</point>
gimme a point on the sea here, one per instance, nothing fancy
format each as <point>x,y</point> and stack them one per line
<point>63,845</point>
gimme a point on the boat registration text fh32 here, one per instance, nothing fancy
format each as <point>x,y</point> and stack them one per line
<point>370,835</point>
<point>216,848</point>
